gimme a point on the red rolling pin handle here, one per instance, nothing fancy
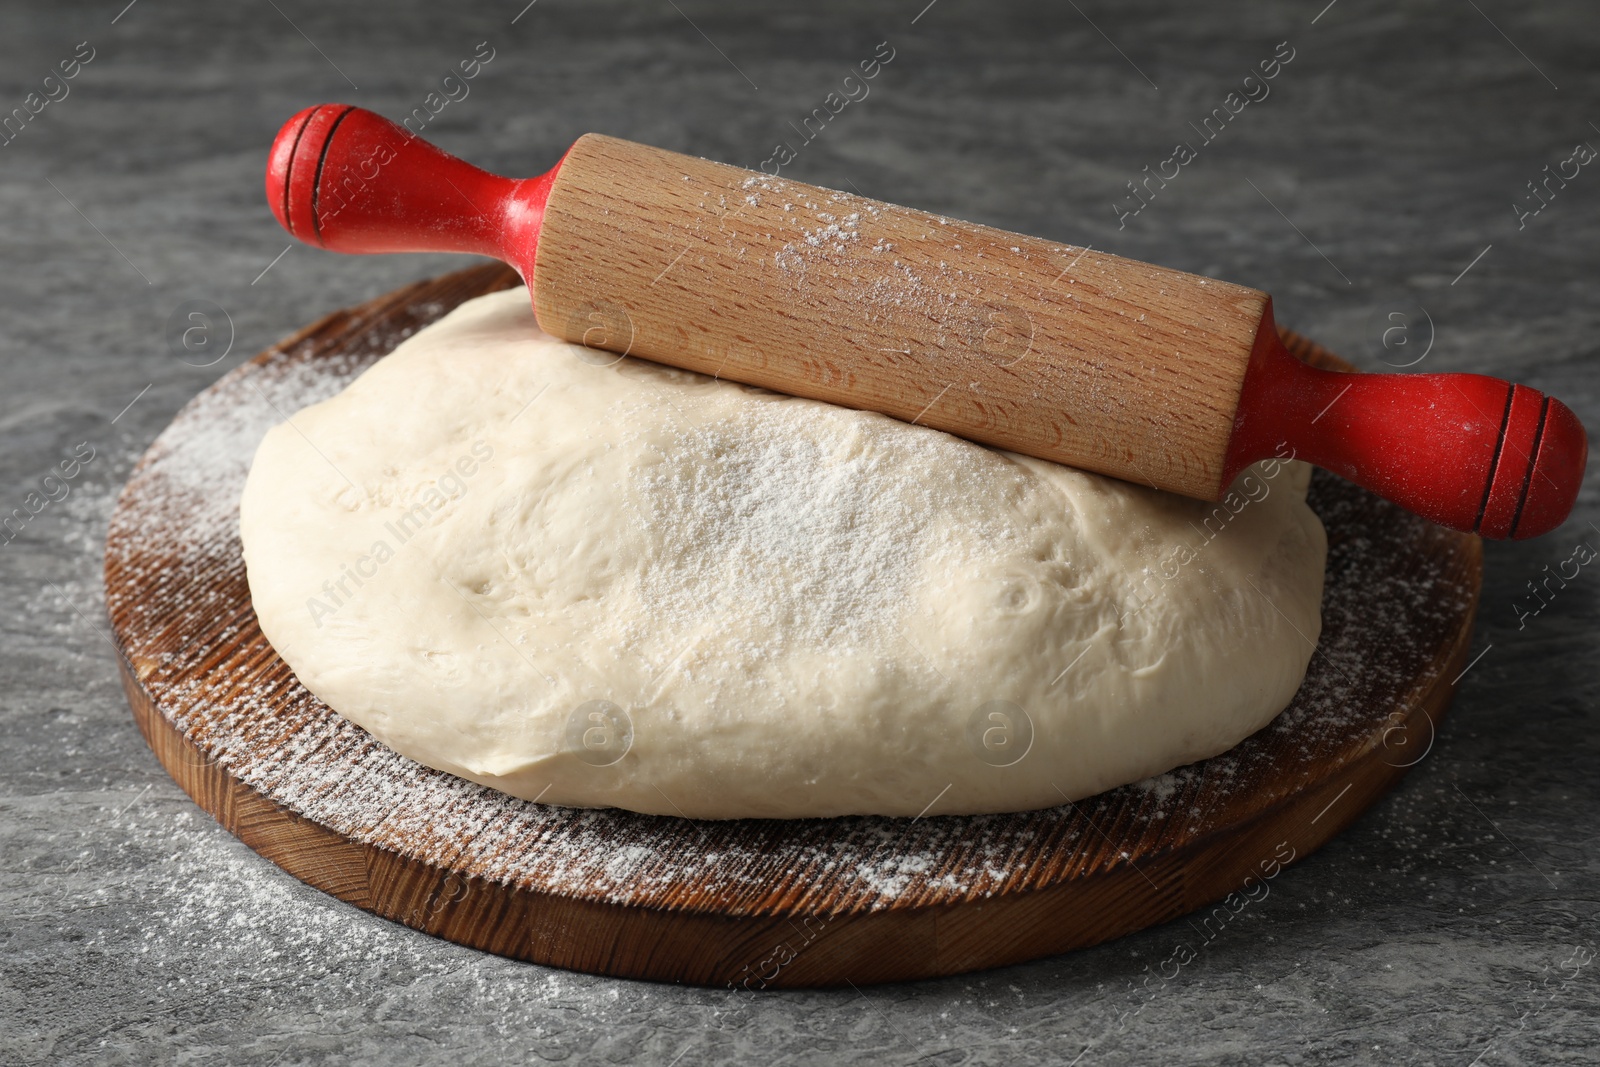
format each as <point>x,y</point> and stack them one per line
<point>348,180</point>
<point>1467,451</point>
<point>1464,450</point>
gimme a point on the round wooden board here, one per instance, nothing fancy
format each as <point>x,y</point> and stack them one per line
<point>750,904</point>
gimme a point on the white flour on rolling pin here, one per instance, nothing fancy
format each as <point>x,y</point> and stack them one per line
<point>601,582</point>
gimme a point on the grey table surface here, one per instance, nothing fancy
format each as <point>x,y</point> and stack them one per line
<point>1454,924</point>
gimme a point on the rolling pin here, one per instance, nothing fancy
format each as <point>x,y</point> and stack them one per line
<point>1072,355</point>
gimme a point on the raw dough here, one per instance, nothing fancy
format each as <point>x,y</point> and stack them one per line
<point>602,582</point>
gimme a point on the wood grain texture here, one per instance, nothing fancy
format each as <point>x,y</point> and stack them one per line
<point>747,904</point>
<point>1058,351</point>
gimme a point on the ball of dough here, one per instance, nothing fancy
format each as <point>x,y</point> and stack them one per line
<point>597,581</point>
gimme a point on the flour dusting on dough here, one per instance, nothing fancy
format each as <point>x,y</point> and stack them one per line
<point>784,607</point>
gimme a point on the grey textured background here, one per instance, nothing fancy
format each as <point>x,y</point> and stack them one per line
<point>1454,924</point>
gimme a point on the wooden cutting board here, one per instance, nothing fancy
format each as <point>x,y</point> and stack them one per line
<point>750,904</point>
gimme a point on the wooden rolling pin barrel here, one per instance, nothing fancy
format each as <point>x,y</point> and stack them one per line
<point>1071,355</point>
